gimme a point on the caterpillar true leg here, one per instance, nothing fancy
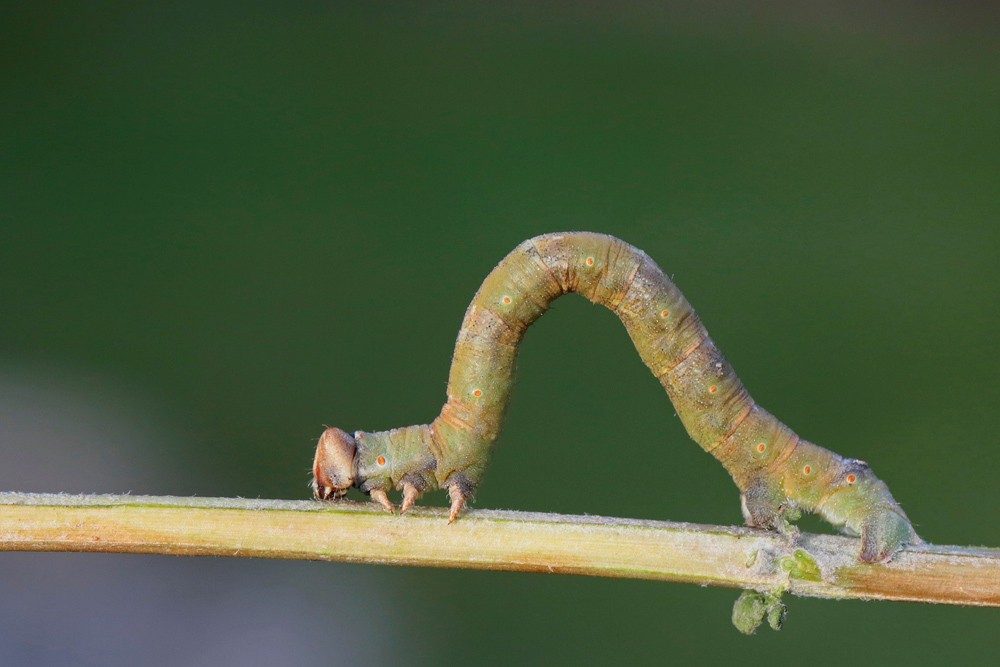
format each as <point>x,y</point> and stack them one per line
<point>457,498</point>
<point>410,495</point>
<point>778,473</point>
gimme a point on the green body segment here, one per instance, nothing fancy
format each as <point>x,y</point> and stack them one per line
<point>776,471</point>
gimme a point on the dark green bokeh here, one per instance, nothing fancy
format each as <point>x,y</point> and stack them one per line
<point>270,220</point>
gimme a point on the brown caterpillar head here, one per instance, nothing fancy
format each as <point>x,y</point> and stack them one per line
<point>334,467</point>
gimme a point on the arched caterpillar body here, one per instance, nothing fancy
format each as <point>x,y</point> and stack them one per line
<point>777,472</point>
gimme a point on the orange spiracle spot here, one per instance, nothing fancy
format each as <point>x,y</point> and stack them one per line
<point>761,447</point>
<point>713,389</point>
<point>664,313</point>
<point>506,299</point>
<point>590,261</point>
<point>807,470</point>
<point>381,460</point>
<point>851,479</point>
<point>477,392</point>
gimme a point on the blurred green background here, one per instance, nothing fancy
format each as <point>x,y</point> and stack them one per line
<point>225,225</point>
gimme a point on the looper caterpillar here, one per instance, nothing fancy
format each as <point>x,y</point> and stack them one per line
<point>778,473</point>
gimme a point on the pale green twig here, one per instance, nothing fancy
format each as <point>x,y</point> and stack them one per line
<point>816,565</point>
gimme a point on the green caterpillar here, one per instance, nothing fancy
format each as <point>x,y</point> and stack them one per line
<point>778,473</point>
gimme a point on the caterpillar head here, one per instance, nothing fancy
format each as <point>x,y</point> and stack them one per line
<point>334,467</point>
<point>860,504</point>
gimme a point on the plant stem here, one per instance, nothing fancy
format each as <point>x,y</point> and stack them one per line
<point>815,565</point>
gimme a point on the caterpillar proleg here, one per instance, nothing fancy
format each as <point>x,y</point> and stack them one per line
<point>778,473</point>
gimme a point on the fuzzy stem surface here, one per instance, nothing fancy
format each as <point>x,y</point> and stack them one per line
<point>823,566</point>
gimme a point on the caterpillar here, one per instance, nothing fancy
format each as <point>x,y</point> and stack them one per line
<point>779,474</point>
